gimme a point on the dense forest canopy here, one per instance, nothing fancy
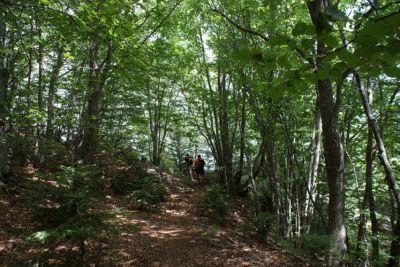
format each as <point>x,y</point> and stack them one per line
<point>293,104</point>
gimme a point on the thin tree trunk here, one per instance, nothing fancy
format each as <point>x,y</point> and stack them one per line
<point>288,202</point>
<point>3,101</point>
<point>368,194</point>
<point>52,91</point>
<point>39,156</point>
<point>313,169</point>
<point>224,136</point>
<point>30,66</point>
<point>239,172</point>
<point>389,175</point>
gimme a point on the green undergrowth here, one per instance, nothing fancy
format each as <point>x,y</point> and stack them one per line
<point>147,194</point>
<point>214,204</point>
<point>310,246</point>
<point>69,203</point>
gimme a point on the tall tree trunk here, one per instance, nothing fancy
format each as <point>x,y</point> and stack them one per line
<point>39,156</point>
<point>389,175</point>
<point>368,198</point>
<point>30,67</point>
<point>332,147</point>
<point>239,172</point>
<point>3,100</point>
<point>91,119</point>
<point>98,75</point>
<point>52,91</point>
<point>288,197</point>
<point>224,135</point>
<point>313,168</point>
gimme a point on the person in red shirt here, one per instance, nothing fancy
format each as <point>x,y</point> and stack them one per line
<point>199,168</point>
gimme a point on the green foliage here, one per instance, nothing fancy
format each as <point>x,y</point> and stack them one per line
<point>59,196</point>
<point>264,223</point>
<point>335,14</point>
<point>22,148</point>
<point>147,193</point>
<point>66,203</point>
<point>164,77</point>
<point>130,156</point>
<point>121,181</point>
<point>77,228</point>
<point>55,153</point>
<point>311,246</point>
<point>303,28</point>
<point>214,204</point>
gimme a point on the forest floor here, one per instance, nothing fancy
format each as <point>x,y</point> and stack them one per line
<point>177,235</point>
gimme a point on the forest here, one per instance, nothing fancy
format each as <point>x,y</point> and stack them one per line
<point>294,106</point>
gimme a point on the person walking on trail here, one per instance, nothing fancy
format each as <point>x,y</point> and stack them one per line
<point>199,167</point>
<point>189,166</point>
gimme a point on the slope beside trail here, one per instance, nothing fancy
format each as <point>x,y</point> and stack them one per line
<point>175,236</point>
<point>178,236</point>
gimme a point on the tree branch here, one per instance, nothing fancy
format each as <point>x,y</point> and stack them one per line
<point>161,22</point>
<point>262,36</point>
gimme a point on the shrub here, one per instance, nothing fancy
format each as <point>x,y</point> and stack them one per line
<point>311,246</point>
<point>55,153</point>
<point>214,204</point>
<point>66,203</point>
<point>264,222</point>
<point>147,193</point>
<point>122,182</point>
<point>64,194</point>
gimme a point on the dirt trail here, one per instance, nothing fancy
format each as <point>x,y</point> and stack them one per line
<point>178,236</point>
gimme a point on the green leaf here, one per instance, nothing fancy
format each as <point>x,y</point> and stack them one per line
<point>303,28</point>
<point>335,14</point>
<point>283,61</point>
<point>323,73</point>
<point>374,71</point>
<point>244,55</point>
<point>41,236</point>
<point>349,58</point>
<point>68,55</point>
<point>311,77</point>
<point>329,40</point>
<point>276,41</point>
<point>307,43</point>
<point>392,71</point>
<point>338,69</point>
<point>45,2</point>
<point>274,93</point>
<point>340,66</point>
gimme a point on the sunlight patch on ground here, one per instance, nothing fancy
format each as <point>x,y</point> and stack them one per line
<point>49,182</point>
<point>177,213</point>
<point>137,221</point>
<point>5,202</point>
<point>61,248</point>
<point>163,234</point>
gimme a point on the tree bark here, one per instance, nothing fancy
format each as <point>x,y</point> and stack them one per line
<point>52,91</point>
<point>332,147</point>
<point>98,75</point>
<point>313,168</point>
<point>3,100</point>
<point>39,127</point>
<point>389,175</point>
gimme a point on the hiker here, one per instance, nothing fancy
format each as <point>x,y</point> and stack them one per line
<point>189,166</point>
<point>199,167</point>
